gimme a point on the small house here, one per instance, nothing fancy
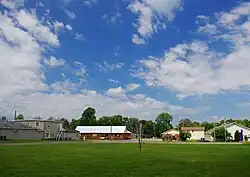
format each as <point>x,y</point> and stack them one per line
<point>197,133</point>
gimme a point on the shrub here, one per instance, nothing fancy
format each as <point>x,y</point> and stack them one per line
<point>245,138</point>
<point>184,136</point>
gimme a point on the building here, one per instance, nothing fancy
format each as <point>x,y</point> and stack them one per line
<point>231,128</point>
<point>53,129</point>
<point>18,131</point>
<point>171,135</point>
<point>197,133</point>
<point>103,132</point>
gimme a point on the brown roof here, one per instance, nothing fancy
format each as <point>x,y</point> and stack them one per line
<point>192,128</point>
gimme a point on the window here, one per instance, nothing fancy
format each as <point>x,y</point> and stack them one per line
<point>47,135</point>
<point>192,130</point>
<point>94,135</point>
<point>37,124</point>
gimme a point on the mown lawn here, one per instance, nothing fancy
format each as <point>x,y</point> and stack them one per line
<point>124,160</point>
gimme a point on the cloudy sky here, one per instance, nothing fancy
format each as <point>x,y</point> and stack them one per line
<point>131,57</point>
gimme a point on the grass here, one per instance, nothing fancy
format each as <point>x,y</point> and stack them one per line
<point>21,141</point>
<point>124,160</point>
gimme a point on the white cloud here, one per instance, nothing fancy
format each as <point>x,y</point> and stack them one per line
<point>105,67</point>
<point>153,14</point>
<point>47,105</point>
<point>53,62</point>
<point>90,2</point>
<point>13,4</point>
<point>197,69</point>
<point>116,92</point>
<point>114,81</point>
<point>21,51</point>
<point>138,40</point>
<point>80,37</point>
<point>42,33</point>
<point>116,18</point>
<point>58,26</point>
<point>68,27</point>
<point>131,87</point>
<point>69,13</point>
<point>23,84</point>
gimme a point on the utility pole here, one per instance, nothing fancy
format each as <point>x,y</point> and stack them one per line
<point>214,130</point>
<point>140,138</point>
<point>225,130</point>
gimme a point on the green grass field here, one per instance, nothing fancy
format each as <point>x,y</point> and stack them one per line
<point>124,160</point>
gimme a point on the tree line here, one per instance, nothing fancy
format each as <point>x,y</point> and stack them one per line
<point>150,128</point>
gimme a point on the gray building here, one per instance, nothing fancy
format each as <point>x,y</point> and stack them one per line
<point>18,131</point>
<point>53,129</point>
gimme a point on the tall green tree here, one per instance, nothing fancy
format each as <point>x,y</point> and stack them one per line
<point>220,134</point>
<point>74,123</point>
<point>132,125</point>
<point>66,123</point>
<point>20,117</point>
<point>163,123</point>
<point>88,117</point>
<point>148,129</point>
<point>207,125</point>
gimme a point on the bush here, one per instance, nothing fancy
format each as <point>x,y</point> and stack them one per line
<point>184,136</point>
<point>245,138</point>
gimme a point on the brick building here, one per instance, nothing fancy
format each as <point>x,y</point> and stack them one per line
<point>103,133</point>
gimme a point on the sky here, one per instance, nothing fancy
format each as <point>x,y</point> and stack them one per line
<point>137,58</point>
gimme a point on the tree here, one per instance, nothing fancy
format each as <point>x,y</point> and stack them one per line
<point>88,117</point>
<point>148,129</point>
<point>185,123</point>
<point>207,125</point>
<point>237,135</point>
<point>4,118</point>
<point>66,124</point>
<point>163,123</point>
<point>220,134</point>
<point>184,135</point>
<point>74,123</point>
<point>132,125</point>
<point>20,117</point>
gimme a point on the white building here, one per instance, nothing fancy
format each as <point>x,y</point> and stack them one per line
<point>231,128</point>
<point>197,133</point>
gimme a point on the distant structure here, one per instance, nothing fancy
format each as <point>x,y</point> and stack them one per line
<point>15,115</point>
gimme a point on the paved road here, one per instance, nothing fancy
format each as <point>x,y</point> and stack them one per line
<point>115,141</point>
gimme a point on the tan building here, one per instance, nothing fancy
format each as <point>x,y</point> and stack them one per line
<point>197,133</point>
<point>171,135</point>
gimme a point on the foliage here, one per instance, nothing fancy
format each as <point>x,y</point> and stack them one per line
<point>163,123</point>
<point>245,138</point>
<point>88,117</point>
<point>20,117</point>
<point>148,129</point>
<point>237,135</point>
<point>207,125</point>
<point>185,123</point>
<point>4,118</point>
<point>220,134</point>
<point>66,124</point>
<point>184,136</point>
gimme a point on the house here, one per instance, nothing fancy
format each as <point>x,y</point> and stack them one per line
<point>231,128</point>
<point>53,129</point>
<point>171,135</point>
<point>197,133</point>
<point>103,132</point>
<point>18,131</point>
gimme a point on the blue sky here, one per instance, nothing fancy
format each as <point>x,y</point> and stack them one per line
<point>136,58</point>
